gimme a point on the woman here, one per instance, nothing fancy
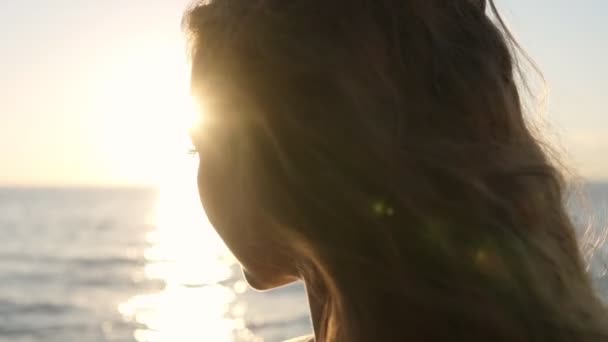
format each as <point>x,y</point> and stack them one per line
<point>376,150</point>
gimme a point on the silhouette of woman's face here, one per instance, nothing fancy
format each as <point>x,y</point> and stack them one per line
<point>232,211</point>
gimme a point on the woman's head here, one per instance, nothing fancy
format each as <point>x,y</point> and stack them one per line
<point>378,150</point>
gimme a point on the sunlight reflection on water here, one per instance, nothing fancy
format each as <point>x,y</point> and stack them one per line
<point>198,301</point>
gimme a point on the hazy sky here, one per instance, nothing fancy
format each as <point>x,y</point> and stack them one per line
<point>95,92</point>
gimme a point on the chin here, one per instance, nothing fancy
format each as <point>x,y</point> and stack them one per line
<point>265,283</point>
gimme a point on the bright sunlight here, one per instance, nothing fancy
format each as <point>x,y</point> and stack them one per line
<point>150,115</point>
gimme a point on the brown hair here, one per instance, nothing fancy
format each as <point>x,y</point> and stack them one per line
<point>388,137</point>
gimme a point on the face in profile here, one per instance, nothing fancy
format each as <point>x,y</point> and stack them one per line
<point>231,209</point>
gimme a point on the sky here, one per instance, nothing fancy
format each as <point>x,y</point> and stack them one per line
<point>96,92</point>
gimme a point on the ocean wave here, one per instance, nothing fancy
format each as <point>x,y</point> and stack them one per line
<point>46,333</point>
<point>84,261</point>
<point>14,308</point>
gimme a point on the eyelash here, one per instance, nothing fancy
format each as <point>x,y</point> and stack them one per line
<point>192,150</point>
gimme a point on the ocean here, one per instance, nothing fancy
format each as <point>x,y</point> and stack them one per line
<point>144,265</point>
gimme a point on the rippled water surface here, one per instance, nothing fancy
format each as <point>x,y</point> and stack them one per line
<point>144,265</point>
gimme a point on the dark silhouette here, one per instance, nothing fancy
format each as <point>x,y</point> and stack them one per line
<point>377,150</point>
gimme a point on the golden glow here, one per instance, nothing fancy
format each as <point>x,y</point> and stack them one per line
<point>198,301</point>
<point>143,114</point>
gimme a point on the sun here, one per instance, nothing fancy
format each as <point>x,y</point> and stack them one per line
<point>143,118</point>
<point>145,115</point>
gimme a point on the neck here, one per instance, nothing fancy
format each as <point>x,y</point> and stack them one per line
<point>317,300</point>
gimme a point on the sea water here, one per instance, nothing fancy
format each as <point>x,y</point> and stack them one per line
<point>144,265</point>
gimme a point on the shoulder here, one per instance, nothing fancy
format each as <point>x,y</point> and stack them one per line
<point>302,339</point>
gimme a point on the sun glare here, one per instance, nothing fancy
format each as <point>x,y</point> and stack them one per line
<point>142,116</point>
<point>188,257</point>
<point>197,302</point>
<point>150,119</point>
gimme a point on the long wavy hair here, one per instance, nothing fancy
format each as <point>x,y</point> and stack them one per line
<point>387,138</point>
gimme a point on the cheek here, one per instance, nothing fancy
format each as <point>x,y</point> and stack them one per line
<point>232,213</point>
<point>218,192</point>
<point>228,208</point>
